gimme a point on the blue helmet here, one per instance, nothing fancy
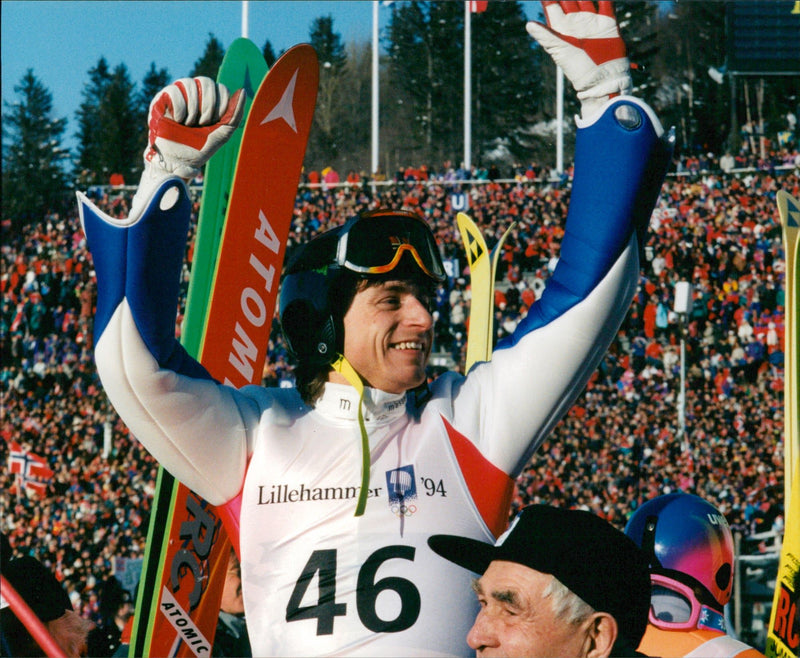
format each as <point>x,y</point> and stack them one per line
<point>687,540</point>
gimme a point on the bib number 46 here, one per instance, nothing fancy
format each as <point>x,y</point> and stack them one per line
<point>322,564</point>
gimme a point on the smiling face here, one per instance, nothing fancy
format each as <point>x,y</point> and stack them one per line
<point>388,331</point>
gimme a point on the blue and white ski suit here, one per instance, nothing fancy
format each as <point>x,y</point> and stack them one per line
<point>316,579</point>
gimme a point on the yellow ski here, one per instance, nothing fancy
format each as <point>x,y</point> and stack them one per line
<point>482,273</point>
<point>783,638</point>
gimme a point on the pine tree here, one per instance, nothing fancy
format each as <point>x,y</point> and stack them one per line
<point>426,65</point>
<point>120,128</point>
<point>639,26</point>
<point>154,81</point>
<point>209,63</point>
<point>109,127</point>
<point>327,42</point>
<point>326,132</point>
<point>88,135</point>
<point>426,50</point>
<point>693,38</point>
<point>506,83</point>
<point>269,53</point>
<point>34,180</point>
<point>354,108</point>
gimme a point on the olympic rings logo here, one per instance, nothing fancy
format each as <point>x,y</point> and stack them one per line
<point>403,510</point>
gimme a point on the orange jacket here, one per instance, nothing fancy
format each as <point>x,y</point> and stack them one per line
<point>674,644</point>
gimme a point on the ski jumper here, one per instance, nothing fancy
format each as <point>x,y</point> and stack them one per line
<point>316,579</point>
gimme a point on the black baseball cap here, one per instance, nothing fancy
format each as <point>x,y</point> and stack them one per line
<point>37,585</point>
<point>587,554</point>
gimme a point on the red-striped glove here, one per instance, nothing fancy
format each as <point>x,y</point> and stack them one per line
<point>584,40</point>
<point>188,122</point>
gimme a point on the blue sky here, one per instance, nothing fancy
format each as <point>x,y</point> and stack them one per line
<point>62,39</point>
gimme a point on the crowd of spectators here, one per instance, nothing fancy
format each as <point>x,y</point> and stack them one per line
<point>622,442</point>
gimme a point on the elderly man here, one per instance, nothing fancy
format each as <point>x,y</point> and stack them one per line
<point>557,583</point>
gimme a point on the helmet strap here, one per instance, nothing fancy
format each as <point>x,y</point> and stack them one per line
<point>711,619</point>
<point>343,367</point>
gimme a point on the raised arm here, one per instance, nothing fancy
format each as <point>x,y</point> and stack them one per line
<point>621,156</point>
<point>162,394</point>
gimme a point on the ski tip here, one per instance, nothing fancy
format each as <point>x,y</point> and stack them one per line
<point>242,42</point>
<point>301,50</point>
<point>467,224</point>
<point>788,209</point>
<point>507,232</point>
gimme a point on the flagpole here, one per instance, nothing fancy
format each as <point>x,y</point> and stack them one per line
<point>245,18</point>
<point>467,88</point>
<point>375,87</point>
<point>30,621</point>
<point>560,119</point>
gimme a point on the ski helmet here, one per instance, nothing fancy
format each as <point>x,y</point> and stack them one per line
<point>687,540</point>
<point>371,245</point>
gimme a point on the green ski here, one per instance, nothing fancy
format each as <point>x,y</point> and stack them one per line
<point>242,67</point>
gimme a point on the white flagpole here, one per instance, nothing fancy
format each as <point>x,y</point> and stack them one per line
<point>245,17</point>
<point>560,120</point>
<point>375,87</point>
<point>467,88</point>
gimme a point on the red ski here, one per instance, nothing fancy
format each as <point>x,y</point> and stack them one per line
<point>234,345</point>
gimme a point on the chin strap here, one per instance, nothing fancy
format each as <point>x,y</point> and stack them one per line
<point>343,367</point>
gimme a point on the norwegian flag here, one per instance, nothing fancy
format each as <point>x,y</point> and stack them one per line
<point>32,470</point>
<point>477,6</point>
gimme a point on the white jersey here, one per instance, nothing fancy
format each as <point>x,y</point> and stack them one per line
<point>323,581</point>
<point>316,579</point>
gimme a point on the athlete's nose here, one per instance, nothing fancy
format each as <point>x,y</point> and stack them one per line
<point>416,313</point>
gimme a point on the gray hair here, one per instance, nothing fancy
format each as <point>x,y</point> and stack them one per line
<point>566,605</point>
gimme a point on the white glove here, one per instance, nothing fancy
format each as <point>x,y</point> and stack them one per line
<point>585,42</point>
<point>188,122</point>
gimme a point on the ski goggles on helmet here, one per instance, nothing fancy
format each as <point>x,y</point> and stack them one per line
<point>375,243</point>
<point>674,606</point>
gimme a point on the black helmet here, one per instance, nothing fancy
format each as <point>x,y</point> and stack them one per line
<point>314,287</point>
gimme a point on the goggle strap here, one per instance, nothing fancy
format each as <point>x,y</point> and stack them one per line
<point>711,619</point>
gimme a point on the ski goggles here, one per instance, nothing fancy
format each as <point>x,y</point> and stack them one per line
<point>375,243</point>
<point>674,607</point>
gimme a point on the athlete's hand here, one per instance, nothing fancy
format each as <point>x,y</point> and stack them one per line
<point>188,122</point>
<point>584,40</point>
